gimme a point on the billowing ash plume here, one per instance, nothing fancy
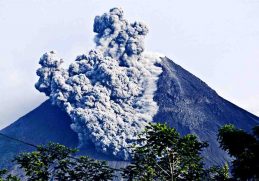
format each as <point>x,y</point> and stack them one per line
<point>119,39</point>
<point>108,93</point>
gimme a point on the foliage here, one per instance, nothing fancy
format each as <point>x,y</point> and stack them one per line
<point>244,147</point>
<point>55,161</point>
<point>165,155</point>
<point>161,154</point>
<point>216,173</point>
<point>5,176</point>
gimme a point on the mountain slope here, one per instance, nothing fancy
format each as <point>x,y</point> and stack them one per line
<point>185,102</point>
<point>191,106</point>
<point>43,124</point>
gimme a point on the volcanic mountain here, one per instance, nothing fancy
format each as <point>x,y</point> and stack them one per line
<point>104,99</point>
<point>185,103</point>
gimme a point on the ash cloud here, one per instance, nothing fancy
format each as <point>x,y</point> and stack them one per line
<point>118,38</point>
<point>108,93</point>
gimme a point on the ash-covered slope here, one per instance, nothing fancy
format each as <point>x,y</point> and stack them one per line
<point>191,106</point>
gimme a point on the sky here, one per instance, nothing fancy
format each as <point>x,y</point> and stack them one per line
<point>218,41</point>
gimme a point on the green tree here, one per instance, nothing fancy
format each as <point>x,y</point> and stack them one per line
<point>5,176</point>
<point>55,162</point>
<point>216,173</point>
<point>164,155</point>
<point>244,147</point>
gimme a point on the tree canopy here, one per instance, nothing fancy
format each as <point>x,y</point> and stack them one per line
<point>160,153</point>
<point>55,162</point>
<point>244,147</point>
<point>164,155</point>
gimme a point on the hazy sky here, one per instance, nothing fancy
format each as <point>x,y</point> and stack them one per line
<point>218,41</point>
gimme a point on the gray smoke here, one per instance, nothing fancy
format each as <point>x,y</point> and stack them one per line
<point>108,93</point>
<point>119,39</point>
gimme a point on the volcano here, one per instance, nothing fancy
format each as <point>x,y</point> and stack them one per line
<point>104,99</point>
<point>185,103</point>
